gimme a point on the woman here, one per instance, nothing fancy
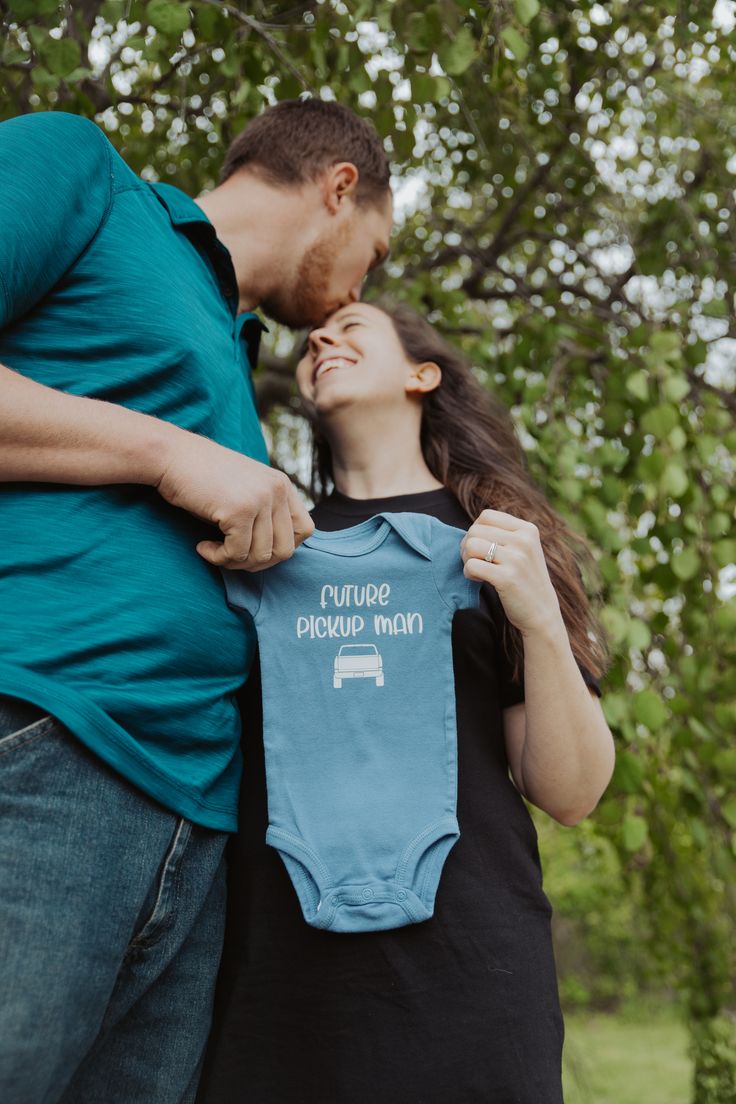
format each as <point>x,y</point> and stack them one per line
<point>462,1007</point>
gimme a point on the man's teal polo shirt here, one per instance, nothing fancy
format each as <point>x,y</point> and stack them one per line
<point>117,289</point>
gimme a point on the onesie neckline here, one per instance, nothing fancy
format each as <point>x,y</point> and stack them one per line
<point>358,540</point>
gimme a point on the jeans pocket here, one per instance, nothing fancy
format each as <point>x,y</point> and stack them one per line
<point>26,733</point>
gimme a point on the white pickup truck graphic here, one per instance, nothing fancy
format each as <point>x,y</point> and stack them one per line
<point>357,661</point>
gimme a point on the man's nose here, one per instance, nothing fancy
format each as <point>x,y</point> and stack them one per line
<point>355,292</point>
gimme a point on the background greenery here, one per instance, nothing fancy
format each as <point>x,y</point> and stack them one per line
<point>566,175</point>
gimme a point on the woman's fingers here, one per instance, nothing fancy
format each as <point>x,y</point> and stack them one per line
<point>478,548</point>
<point>501,520</point>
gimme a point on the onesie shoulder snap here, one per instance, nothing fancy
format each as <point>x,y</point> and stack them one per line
<point>447,563</point>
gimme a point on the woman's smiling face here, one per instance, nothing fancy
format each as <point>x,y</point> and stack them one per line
<point>356,356</point>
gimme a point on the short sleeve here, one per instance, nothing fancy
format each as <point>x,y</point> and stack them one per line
<point>55,190</point>
<point>244,590</point>
<point>447,566</point>
<point>511,691</point>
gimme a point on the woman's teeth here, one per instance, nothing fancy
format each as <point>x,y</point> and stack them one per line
<point>333,362</point>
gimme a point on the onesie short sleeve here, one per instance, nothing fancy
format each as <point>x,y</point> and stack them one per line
<point>244,590</point>
<point>511,691</point>
<point>447,565</point>
<point>55,190</point>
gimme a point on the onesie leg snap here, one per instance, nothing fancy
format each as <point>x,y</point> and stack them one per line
<point>376,905</point>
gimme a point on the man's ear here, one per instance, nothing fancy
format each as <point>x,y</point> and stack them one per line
<point>423,378</point>
<point>339,182</point>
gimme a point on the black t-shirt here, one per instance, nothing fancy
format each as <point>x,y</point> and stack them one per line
<point>460,1009</point>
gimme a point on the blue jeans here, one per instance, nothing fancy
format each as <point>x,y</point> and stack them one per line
<point>111,924</point>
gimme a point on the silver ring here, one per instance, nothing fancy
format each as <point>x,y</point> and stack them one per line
<point>491,552</point>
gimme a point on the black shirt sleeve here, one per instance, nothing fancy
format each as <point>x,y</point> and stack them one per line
<point>511,691</point>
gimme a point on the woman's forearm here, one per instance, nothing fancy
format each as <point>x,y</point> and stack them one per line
<point>568,752</point>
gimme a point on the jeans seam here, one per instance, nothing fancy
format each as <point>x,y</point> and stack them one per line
<point>26,734</point>
<point>161,913</point>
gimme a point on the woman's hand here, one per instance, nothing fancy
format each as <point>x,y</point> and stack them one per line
<point>518,570</point>
<point>559,746</point>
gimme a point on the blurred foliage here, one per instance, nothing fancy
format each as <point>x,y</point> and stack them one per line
<point>573,171</point>
<point>601,929</point>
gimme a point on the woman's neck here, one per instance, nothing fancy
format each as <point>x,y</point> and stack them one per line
<point>370,464</point>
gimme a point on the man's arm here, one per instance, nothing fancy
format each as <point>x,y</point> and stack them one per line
<point>50,436</point>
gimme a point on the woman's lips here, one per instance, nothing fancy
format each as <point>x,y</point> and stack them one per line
<point>328,364</point>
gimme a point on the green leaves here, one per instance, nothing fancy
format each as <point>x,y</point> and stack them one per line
<point>61,55</point>
<point>515,43</point>
<point>686,564</point>
<point>637,384</point>
<point>27,9</point>
<point>458,55</point>
<point>423,29</point>
<point>724,552</point>
<point>660,420</point>
<point>675,388</point>
<point>634,832</point>
<point>674,480</point>
<point>526,10</point>
<point>728,811</point>
<point>649,709</point>
<point>170,17</point>
<point>427,89</point>
<point>628,775</point>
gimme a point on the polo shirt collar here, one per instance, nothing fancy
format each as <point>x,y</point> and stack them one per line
<point>181,207</point>
<point>184,211</point>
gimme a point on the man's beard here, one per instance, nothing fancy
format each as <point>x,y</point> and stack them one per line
<point>305,302</point>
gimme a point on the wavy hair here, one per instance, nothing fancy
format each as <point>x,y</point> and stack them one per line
<point>471,446</point>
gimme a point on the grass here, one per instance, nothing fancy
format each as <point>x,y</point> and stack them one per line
<point>637,1057</point>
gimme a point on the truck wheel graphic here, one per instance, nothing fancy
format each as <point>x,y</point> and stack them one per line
<point>379,680</point>
<point>337,683</point>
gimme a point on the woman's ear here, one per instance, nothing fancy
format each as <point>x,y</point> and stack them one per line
<point>423,378</point>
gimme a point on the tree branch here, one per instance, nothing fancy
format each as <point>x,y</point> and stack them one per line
<point>259,29</point>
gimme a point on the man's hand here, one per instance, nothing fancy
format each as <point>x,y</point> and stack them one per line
<point>51,436</point>
<point>256,507</point>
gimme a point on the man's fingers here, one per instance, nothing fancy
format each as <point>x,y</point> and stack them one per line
<point>284,540</point>
<point>261,544</point>
<point>233,551</point>
<point>301,523</point>
<point>269,537</point>
<point>214,553</point>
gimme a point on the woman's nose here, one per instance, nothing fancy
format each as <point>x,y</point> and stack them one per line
<point>320,338</point>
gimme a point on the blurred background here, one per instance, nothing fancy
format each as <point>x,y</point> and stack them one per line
<point>565,177</point>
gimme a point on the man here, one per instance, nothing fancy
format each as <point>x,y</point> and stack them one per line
<point>133,465</point>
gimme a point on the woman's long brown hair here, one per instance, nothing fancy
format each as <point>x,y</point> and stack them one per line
<point>471,446</point>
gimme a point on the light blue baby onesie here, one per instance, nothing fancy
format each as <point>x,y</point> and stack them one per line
<point>359,715</point>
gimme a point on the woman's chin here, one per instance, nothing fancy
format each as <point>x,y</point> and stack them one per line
<point>331,394</point>
<point>328,404</point>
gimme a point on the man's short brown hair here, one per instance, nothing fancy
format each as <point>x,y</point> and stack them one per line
<point>296,140</point>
